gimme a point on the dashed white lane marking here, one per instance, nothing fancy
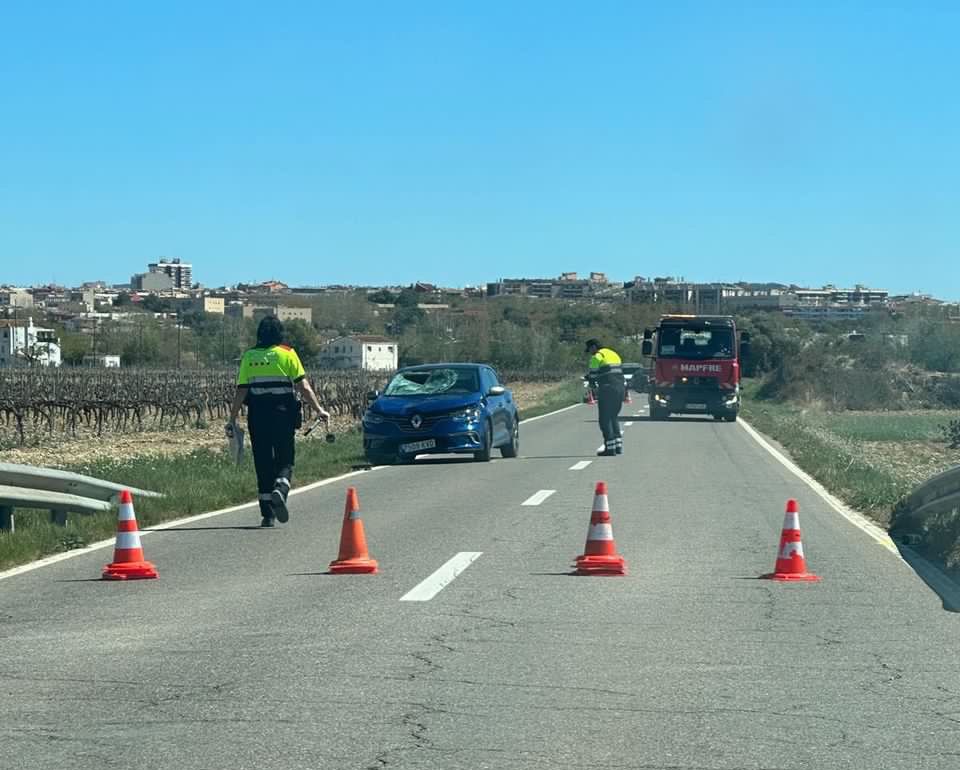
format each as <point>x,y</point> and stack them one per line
<point>581,465</point>
<point>539,497</point>
<point>849,514</point>
<point>627,424</point>
<point>427,589</point>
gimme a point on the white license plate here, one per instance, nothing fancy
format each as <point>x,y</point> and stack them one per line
<point>418,446</point>
<point>696,406</point>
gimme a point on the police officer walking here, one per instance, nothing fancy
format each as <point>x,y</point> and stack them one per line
<point>270,380</point>
<point>607,374</point>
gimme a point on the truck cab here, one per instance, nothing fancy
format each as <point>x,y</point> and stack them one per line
<point>695,366</point>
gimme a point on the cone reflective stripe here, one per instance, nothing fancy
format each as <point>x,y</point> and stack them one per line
<point>600,555</point>
<point>128,561</point>
<point>791,563</point>
<point>353,558</point>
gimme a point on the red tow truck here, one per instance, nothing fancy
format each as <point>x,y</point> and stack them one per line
<point>695,366</point>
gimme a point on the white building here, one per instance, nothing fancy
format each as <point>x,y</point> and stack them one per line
<point>13,297</point>
<point>360,351</point>
<point>26,345</point>
<point>181,273</point>
<point>101,361</point>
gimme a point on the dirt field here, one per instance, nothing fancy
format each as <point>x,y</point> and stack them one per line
<point>58,454</point>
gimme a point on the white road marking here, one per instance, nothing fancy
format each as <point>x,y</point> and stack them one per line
<point>581,465</point>
<point>858,520</point>
<point>549,414</point>
<point>427,589</point>
<point>627,424</point>
<point>539,497</point>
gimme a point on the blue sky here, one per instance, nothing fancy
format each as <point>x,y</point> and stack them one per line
<point>385,142</point>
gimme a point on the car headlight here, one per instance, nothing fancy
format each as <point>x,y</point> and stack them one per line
<point>470,414</point>
<point>372,418</point>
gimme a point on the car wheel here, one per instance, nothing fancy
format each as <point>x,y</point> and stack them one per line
<point>380,459</point>
<point>483,455</point>
<point>513,448</point>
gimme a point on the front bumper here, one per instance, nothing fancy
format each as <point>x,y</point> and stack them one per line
<point>449,437</point>
<point>695,400</point>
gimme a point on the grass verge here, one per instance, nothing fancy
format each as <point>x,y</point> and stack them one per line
<point>870,460</point>
<point>565,394</point>
<point>203,480</point>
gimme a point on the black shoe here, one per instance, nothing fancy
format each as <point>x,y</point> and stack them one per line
<point>266,521</point>
<point>279,503</point>
<point>619,450</point>
<point>607,453</point>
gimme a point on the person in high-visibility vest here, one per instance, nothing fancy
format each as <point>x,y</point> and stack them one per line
<point>607,374</point>
<point>270,380</point>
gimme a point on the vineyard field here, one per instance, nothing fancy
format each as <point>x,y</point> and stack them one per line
<point>39,404</point>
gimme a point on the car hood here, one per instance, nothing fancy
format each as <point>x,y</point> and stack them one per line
<point>402,406</point>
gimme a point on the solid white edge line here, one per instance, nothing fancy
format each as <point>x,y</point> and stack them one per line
<point>48,560</point>
<point>426,589</point>
<point>550,414</point>
<point>538,497</point>
<point>857,519</point>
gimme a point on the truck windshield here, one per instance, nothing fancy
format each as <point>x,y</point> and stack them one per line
<point>694,342</point>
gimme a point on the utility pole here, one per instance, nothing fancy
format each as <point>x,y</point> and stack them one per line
<point>179,336</point>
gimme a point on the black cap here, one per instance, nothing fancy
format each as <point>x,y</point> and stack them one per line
<point>592,342</point>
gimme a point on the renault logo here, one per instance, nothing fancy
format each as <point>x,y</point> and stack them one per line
<point>416,421</point>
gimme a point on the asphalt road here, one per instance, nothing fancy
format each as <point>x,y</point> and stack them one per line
<point>244,655</point>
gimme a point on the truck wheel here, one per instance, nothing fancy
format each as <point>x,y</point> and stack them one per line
<point>656,413</point>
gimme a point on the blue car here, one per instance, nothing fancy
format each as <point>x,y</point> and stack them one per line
<point>441,409</point>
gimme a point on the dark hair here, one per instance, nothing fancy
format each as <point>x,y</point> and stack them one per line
<point>269,332</point>
<point>591,343</point>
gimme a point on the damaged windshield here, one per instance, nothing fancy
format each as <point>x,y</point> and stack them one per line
<point>431,382</point>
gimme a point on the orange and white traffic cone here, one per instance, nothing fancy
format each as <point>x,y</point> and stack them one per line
<point>626,396</point>
<point>353,558</point>
<point>591,401</point>
<point>791,564</point>
<point>600,556</point>
<point>128,562</point>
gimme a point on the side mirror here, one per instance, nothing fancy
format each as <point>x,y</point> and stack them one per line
<point>373,395</point>
<point>646,347</point>
<point>745,337</point>
<point>745,348</point>
<point>497,390</point>
<point>648,334</point>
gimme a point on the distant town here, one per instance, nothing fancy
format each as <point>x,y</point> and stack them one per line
<point>30,316</point>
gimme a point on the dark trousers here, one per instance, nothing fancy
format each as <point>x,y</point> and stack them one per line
<point>271,440</point>
<point>609,404</point>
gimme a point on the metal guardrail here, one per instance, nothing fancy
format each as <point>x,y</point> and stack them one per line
<point>60,492</point>
<point>936,495</point>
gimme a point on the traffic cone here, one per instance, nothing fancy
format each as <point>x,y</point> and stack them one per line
<point>791,565</point>
<point>128,562</point>
<point>591,401</point>
<point>626,396</point>
<point>353,558</point>
<point>600,556</point>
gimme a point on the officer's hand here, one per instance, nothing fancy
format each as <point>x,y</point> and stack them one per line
<point>323,414</point>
